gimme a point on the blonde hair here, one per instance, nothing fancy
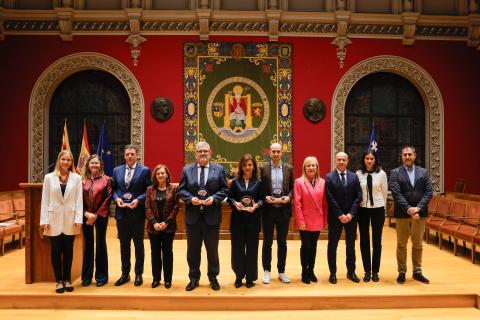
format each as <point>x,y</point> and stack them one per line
<point>304,172</point>
<point>57,163</point>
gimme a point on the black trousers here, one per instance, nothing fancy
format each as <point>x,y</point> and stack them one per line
<point>131,228</point>
<point>245,252</point>
<point>335,228</point>
<point>197,234</point>
<point>62,256</point>
<point>99,242</point>
<point>273,218</point>
<point>308,250</point>
<point>375,216</point>
<point>162,255</point>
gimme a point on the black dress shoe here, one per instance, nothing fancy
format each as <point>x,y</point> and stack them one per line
<point>60,287</point>
<point>191,285</point>
<point>305,279</point>
<point>353,277</point>
<point>86,282</point>
<point>138,280</point>
<point>367,277</point>
<point>168,285</point>
<point>155,284</point>
<point>250,284</point>
<point>101,283</point>
<point>68,286</point>
<point>122,280</point>
<point>419,277</point>
<point>238,283</point>
<point>332,279</point>
<point>375,277</point>
<point>401,278</point>
<point>214,284</point>
<point>313,277</point>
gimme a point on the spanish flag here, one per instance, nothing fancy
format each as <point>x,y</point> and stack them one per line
<point>65,142</point>
<point>84,151</point>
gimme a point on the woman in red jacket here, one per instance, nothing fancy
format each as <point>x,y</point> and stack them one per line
<point>310,207</point>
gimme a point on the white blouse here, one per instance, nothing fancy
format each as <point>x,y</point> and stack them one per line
<point>379,186</point>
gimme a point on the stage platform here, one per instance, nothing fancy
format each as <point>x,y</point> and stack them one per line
<point>455,283</point>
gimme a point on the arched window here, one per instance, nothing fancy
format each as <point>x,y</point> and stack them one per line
<point>95,96</point>
<point>394,106</point>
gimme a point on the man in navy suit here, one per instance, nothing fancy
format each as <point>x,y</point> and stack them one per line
<point>130,182</point>
<point>412,191</point>
<point>203,187</point>
<point>343,196</point>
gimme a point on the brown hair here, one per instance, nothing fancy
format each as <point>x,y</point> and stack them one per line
<point>242,161</point>
<point>154,174</point>
<point>87,173</point>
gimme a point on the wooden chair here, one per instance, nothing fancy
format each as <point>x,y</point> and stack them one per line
<point>460,186</point>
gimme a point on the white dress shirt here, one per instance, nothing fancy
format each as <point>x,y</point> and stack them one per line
<point>379,186</point>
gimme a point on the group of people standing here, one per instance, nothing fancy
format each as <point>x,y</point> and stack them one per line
<point>259,196</point>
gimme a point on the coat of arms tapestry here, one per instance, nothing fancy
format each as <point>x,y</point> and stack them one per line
<point>238,98</point>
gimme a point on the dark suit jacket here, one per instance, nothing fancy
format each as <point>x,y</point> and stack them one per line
<point>343,200</point>
<point>245,219</point>
<point>138,186</point>
<point>216,186</point>
<point>287,186</point>
<point>405,195</point>
<point>170,209</point>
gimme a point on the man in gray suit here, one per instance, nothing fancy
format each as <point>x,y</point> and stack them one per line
<point>412,190</point>
<point>203,187</point>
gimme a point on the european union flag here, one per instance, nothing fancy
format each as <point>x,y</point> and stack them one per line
<point>103,150</point>
<point>373,144</point>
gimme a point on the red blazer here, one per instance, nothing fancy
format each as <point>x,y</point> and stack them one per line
<point>310,204</point>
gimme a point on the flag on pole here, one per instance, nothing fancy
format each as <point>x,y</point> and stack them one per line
<point>103,150</point>
<point>373,144</point>
<point>84,151</point>
<point>66,143</point>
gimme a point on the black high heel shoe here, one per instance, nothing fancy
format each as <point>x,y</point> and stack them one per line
<point>60,287</point>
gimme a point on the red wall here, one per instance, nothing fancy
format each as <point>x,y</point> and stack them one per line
<point>453,66</point>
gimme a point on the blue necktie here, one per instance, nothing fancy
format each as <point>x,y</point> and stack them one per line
<point>342,178</point>
<point>202,177</point>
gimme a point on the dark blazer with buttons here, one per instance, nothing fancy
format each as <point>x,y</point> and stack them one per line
<point>343,199</point>
<point>405,195</point>
<point>170,209</point>
<point>216,186</point>
<point>287,186</point>
<point>138,186</point>
<point>244,219</point>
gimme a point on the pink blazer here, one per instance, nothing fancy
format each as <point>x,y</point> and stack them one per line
<point>310,204</point>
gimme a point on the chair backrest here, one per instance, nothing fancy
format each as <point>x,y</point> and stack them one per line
<point>6,210</point>
<point>472,213</point>
<point>459,186</point>
<point>19,203</point>
<point>443,207</point>
<point>457,209</point>
<point>432,205</point>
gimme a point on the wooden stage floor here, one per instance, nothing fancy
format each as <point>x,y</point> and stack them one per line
<point>455,283</point>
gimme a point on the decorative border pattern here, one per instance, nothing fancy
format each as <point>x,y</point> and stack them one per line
<point>163,26</point>
<point>306,27</point>
<point>441,31</point>
<point>427,88</point>
<point>101,26</point>
<point>239,26</point>
<point>375,29</point>
<point>22,25</point>
<point>48,82</point>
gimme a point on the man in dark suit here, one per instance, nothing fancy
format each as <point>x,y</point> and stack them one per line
<point>130,182</point>
<point>343,196</point>
<point>412,191</point>
<point>203,187</point>
<point>277,182</point>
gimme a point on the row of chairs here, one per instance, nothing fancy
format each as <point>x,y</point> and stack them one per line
<point>12,218</point>
<point>459,219</point>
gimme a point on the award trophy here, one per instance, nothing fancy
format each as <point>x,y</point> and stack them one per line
<point>202,195</point>
<point>127,198</point>
<point>246,202</point>
<point>277,195</point>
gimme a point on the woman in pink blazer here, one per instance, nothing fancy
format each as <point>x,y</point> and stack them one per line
<point>310,206</point>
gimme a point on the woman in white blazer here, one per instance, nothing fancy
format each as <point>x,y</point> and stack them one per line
<point>373,181</point>
<point>61,216</point>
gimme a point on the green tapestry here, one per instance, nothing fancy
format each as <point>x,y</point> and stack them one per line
<point>238,98</point>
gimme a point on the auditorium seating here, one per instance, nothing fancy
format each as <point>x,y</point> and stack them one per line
<point>12,218</point>
<point>451,217</point>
